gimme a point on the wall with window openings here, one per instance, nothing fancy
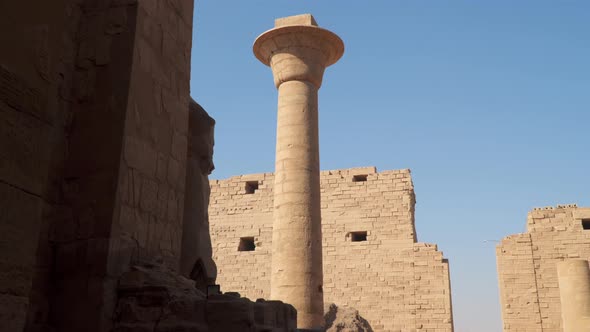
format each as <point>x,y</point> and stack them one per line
<point>372,260</point>
<point>527,273</point>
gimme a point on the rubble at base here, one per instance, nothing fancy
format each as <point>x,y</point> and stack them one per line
<point>155,299</point>
<point>342,319</point>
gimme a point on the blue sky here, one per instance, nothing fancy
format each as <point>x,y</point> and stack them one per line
<point>487,102</point>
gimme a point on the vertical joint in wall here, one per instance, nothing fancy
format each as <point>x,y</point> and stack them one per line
<point>536,282</point>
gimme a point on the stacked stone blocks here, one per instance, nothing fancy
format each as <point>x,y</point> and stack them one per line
<point>527,273</point>
<point>396,283</point>
<point>153,298</point>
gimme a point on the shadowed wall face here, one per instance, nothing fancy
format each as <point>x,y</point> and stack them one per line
<point>94,135</point>
<point>94,117</point>
<point>37,59</point>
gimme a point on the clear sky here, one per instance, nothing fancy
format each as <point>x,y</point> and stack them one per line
<point>487,102</point>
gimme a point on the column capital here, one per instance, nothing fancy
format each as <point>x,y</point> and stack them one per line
<point>297,49</point>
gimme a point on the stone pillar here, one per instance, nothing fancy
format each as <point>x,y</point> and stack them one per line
<point>574,288</point>
<point>298,51</point>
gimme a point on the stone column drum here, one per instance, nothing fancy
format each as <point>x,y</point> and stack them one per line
<point>574,289</point>
<point>298,51</point>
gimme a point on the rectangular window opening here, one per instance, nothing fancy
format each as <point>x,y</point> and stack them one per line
<point>586,224</point>
<point>358,236</point>
<point>246,244</point>
<point>251,187</point>
<point>360,178</point>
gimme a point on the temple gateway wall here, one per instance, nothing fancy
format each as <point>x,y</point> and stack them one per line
<point>527,266</point>
<point>371,258</point>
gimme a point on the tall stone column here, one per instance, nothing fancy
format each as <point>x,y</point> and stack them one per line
<point>574,289</point>
<point>298,51</point>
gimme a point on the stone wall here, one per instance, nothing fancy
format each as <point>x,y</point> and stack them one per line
<point>153,162</point>
<point>99,214</point>
<point>37,56</point>
<point>94,118</point>
<point>372,260</point>
<point>527,273</point>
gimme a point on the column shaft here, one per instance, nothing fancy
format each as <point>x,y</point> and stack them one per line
<point>298,52</point>
<point>297,274</point>
<point>574,289</point>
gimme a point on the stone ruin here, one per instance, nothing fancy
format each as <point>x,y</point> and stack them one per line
<point>302,236</point>
<point>104,193</point>
<point>372,260</point>
<point>104,161</point>
<point>531,293</point>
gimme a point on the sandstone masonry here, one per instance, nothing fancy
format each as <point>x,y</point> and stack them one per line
<point>372,260</point>
<point>100,148</point>
<point>298,51</point>
<point>527,266</point>
<point>574,288</point>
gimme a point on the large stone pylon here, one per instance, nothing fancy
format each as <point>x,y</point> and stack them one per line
<point>298,52</point>
<point>574,289</point>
